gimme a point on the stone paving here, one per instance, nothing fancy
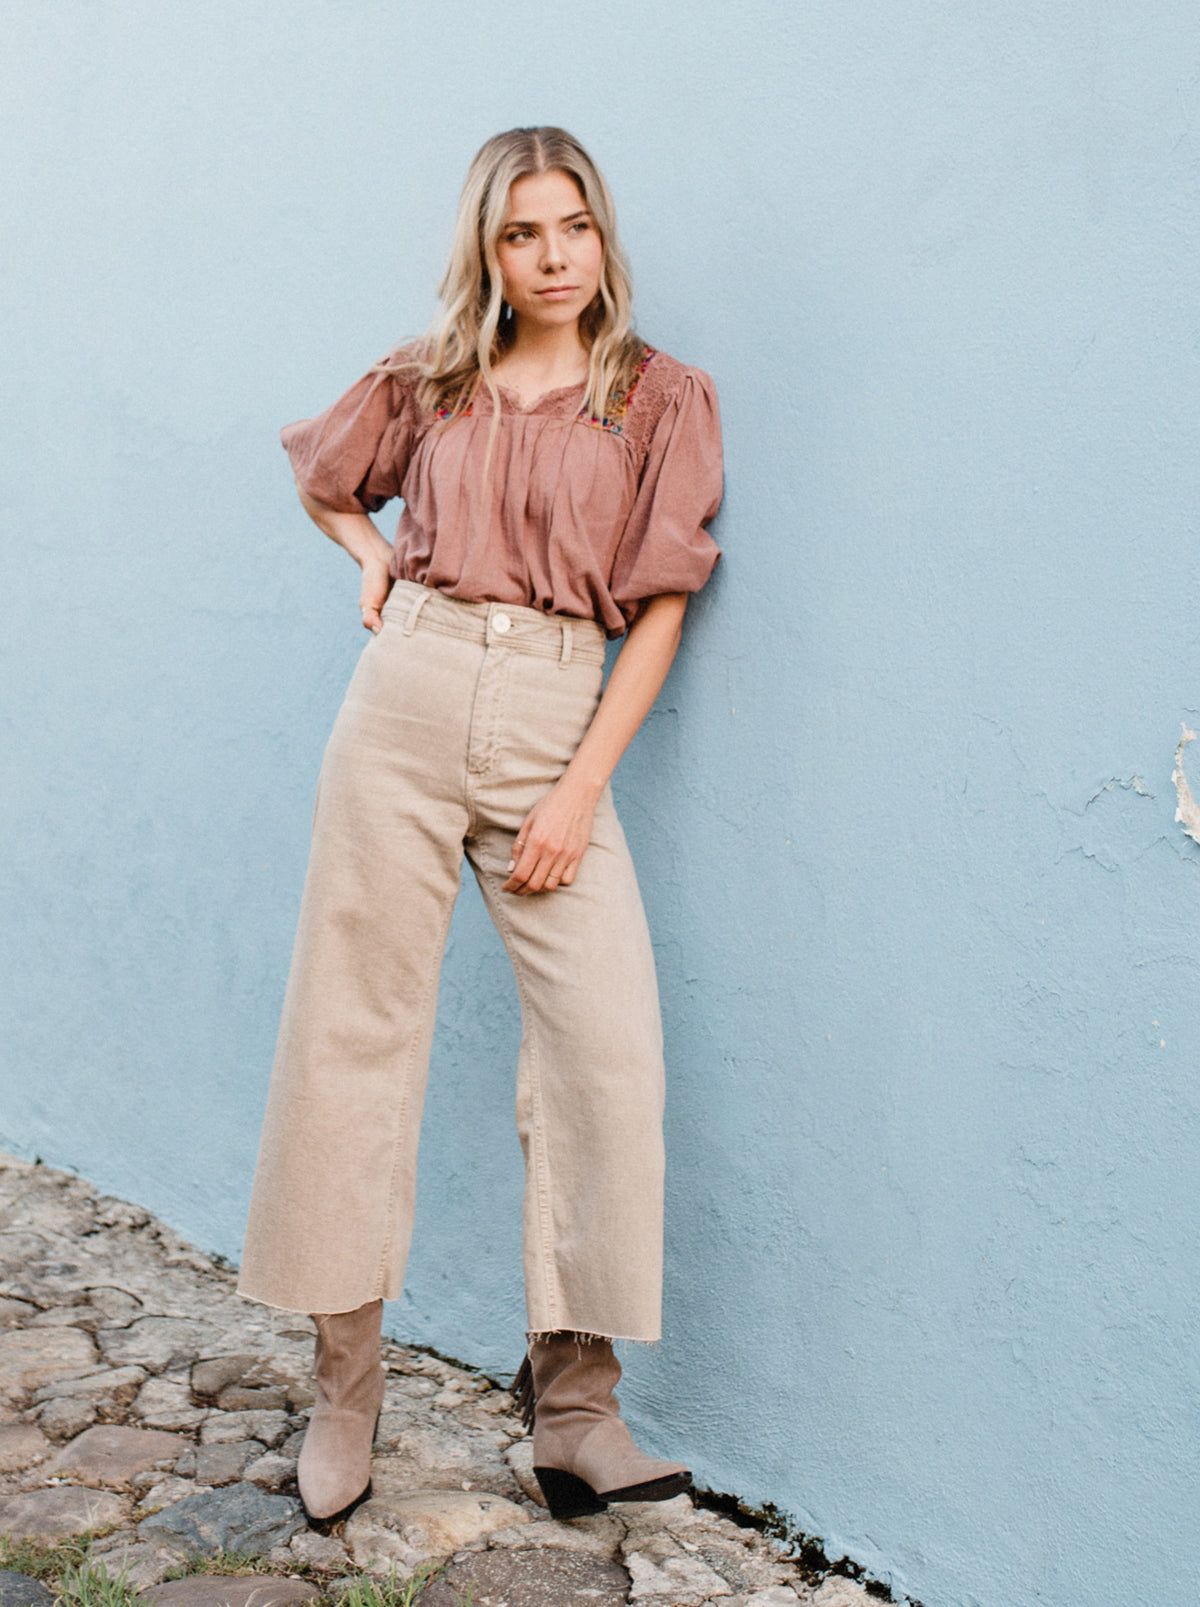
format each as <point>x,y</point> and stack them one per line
<point>141,1398</point>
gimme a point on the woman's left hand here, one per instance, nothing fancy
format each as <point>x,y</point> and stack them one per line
<point>558,828</point>
<point>552,839</point>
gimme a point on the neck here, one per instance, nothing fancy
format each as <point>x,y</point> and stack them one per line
<point>548,352</point>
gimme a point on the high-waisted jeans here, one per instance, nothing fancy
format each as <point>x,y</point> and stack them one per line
<point>459,717</point>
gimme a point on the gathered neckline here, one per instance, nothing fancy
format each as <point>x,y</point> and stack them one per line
<point>531,407</point>
<point>560,402</point>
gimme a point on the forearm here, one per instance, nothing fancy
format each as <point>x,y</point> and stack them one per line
<point>353,531</point>
<point>636,680</point>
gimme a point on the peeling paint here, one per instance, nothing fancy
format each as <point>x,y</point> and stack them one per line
<point>1126,784</point>
<point>1187,812</point>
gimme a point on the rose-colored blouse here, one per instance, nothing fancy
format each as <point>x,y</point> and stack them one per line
<point>576,515</point>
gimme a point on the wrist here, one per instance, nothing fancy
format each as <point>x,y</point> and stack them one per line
<point>585,780</point>
<point>376,556</point>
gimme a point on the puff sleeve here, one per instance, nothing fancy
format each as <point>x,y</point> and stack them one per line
<point>665,547</point>
<point>353,455</point>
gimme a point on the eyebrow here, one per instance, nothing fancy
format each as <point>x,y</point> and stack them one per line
<point>519,223</point>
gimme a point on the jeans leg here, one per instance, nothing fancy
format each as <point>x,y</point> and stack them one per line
<point>331,1213</point>
<point>590,1088</point>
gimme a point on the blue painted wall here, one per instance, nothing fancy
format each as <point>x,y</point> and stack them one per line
<point>926,926</point>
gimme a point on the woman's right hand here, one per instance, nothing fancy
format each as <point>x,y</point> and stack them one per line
<point>376,584</point>
<point>366,546</point>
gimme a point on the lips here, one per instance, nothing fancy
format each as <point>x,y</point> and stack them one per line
<point>557,291</point>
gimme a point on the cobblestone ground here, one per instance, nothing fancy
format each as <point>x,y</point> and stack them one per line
<point>142,1401</point>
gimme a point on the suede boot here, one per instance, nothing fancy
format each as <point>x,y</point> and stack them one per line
<point>335,1460</point>
<point>583,1454</point>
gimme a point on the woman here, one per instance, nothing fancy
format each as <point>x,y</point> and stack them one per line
<point>556,475</point>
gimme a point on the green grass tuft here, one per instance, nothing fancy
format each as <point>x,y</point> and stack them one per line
<point>88,1583</point>
<point>226,1562</point>
<point>81,1580</point>
<point>42,1560</point>
<point>77,1577</point>
<point>370,1592</point>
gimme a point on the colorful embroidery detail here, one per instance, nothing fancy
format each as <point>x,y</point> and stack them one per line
<point>447,408</point>
<point>618,402</point>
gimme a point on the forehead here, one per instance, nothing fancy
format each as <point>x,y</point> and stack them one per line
<point>545,195</point>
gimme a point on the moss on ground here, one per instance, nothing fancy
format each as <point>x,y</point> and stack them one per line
<point>80,1579</point>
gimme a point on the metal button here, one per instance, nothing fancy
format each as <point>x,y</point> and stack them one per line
<point>501,623</point>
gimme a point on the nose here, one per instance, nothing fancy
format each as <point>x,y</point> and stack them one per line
<point>554,256</point>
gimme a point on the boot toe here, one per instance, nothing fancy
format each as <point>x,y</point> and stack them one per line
<point>326,1502</point>
<point>334,1471</point>
<point>612,1464</point>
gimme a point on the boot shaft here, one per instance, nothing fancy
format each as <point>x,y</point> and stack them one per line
<point>573,1382</point>
<point>346,1362</point>
<point>575,1372</point>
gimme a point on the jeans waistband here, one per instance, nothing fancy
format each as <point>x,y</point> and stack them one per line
<point>523,630</point>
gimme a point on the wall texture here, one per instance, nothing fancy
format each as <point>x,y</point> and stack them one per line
<point>904,814</point>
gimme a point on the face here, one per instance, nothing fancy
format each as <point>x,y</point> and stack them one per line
<point>550,250</point>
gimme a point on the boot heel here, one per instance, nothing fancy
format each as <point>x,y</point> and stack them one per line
<point>567,1496</point>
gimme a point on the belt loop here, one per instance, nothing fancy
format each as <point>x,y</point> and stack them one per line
<point>414,613</point>
<point>565,656</point>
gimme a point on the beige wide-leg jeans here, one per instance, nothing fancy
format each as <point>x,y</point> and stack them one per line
<point>458,718</point>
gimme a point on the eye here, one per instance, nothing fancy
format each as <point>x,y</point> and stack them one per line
<point>580,227</point>
<point>517,235</point>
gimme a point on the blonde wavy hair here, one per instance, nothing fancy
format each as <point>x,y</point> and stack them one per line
<point>474,326</point>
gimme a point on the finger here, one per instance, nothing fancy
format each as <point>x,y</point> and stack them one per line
<point>532,868</point>
<point>533,877</point>
<point>371,617</point>
<point>547,876</point>
<point>527,847</point>
<point>555,866</point>
<point>523,861</point>
<point>535,882</point>
<point>558,873</point>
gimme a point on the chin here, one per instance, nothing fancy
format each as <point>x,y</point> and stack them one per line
<point>557,313</point>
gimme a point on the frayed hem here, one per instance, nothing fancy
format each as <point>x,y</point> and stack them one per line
<point>308,1311</point>
<point>585,1337</point>
<point>271,1305</point>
